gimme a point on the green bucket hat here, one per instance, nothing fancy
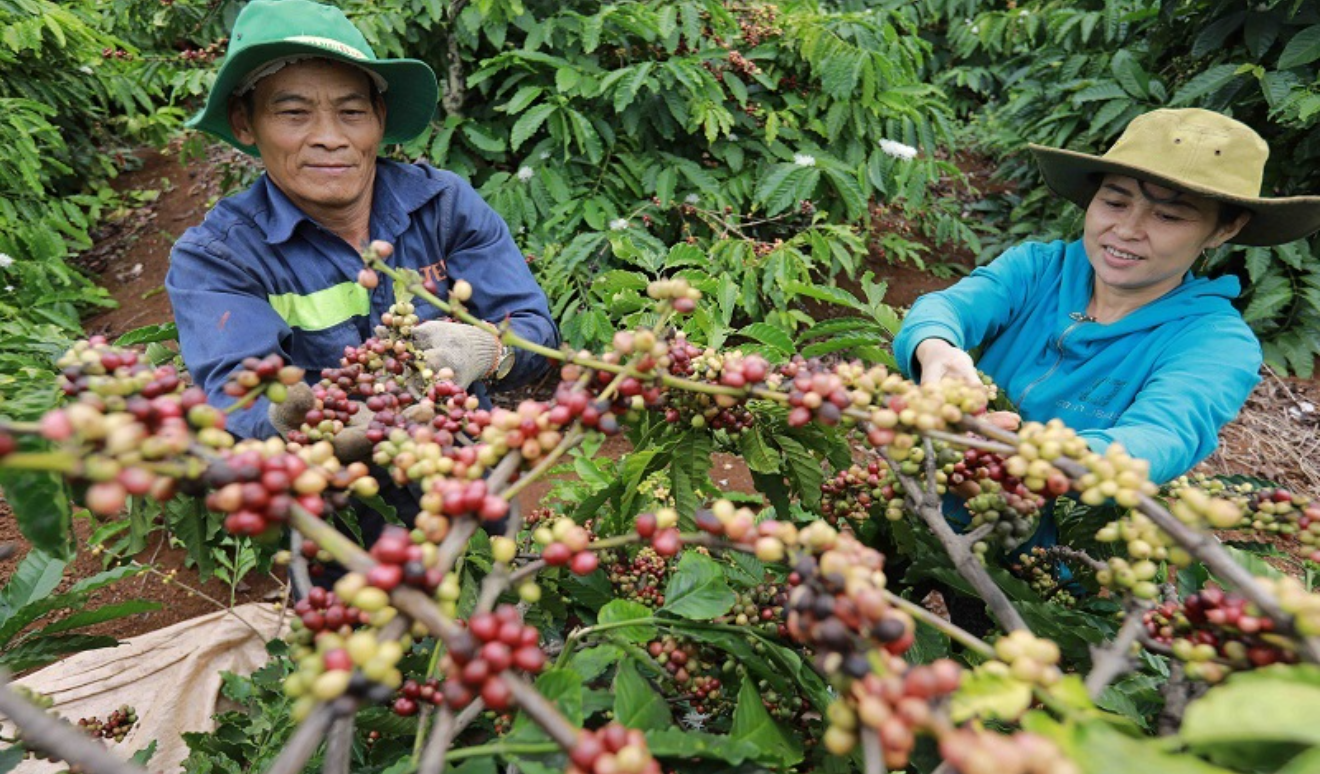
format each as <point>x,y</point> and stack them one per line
<point>269,30</point>
<point>1193,150</point>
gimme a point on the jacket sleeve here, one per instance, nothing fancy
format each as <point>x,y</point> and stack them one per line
<point>977,307</point>
<point>223,317</point>
<point>480,249</point>
<point>1204,379</point>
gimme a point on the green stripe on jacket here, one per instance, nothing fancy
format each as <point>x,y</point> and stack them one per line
<point>324,308</point>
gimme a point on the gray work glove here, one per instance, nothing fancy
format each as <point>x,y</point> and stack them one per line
<point>351,444</point>
<point>289,415</point>
<point>468,351</point>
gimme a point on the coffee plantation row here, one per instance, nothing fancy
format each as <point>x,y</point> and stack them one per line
<point>648,624</point>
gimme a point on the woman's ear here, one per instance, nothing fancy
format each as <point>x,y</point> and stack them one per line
<point>1229,230</point>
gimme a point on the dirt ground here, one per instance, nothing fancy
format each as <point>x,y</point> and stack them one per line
<point>1276,437</point>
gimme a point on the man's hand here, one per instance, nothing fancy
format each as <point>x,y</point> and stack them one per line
<point>466,350</point>
<point>939,360</point>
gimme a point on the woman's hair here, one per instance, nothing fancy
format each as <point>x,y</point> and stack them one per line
<point>1228,212</point>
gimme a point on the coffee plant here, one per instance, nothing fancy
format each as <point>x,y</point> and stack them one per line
<point>643,628</point>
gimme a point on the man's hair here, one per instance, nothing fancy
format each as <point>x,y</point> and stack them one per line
<point>249,98</point>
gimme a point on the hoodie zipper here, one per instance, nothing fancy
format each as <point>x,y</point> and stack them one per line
<point>1078,318</point>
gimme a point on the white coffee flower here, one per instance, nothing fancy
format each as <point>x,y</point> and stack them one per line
<point>732,137</point>
<point>619,224</point>
<point>545,155</point>
<point>525,173</point>
<point>898,150</point>
<point>5,261</point>
<point>692,198</point>
<point>804,160</point>
<point>975,29</point>
<point>9,288</point>
<point>85,70</point>
<point>1024,12</point>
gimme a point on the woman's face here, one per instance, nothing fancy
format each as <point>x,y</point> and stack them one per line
<point>1143,247</point>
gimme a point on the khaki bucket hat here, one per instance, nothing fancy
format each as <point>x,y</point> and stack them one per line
<point>270,30</point>
<point>1193,150</point>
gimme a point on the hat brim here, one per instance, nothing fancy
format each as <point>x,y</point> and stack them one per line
<point>410,99</point>
<point>1076,177</point>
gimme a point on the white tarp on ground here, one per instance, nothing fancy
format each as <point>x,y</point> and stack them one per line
<point>170,676</point>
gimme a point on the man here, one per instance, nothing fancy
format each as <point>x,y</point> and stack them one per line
<point>273,270</point>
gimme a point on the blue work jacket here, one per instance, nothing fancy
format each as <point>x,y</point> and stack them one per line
<point>258,276</point>
<point>1161,381</point>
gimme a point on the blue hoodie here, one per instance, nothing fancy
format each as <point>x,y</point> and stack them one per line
<point>1161,381</point>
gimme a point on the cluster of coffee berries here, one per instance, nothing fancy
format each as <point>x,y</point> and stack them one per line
<point>641,578</point>
<point>364,664</point>
<point>115,726</point>
<point>896,706</point>
<point>999,497</point>
<point>972,751</point>
<point>838,605</point>
<point>400,560</point>
<point>1214,624</point>
<point>501,642</point>
<point>757,21</point>
<point>323,611</point>
<point>852,494</point>
<point>565,543</point>
<point>762,607</point>
<point>675,294</point>
<point>613,749</point>
<point>1037,568</point>
<point>692,671</point>
<point>1026,657</point>
<point>1113,475</point>
<point>1147,546</point>
<point>661,528</point>
<point>115,53</point>
<point>1195,508</point>
<point>269,372</point>
<point>768,540</point>
<point>412,695</point>
<point>259,482</point>
<point>1296,600</point>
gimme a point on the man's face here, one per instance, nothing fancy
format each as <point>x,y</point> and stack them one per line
<point>317,131</point>
<point>1136,244</point>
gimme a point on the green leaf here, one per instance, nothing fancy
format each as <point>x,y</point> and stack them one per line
<point>101,614</point>
<point>10,757</point>
<point>40,651</point>
<point>37,575</point>
<point>529,123</point>
<point>636,703</point>
<point>1208,82</point>
<point>759,455</point>
<point>620,610</point>
<point>1100,749</point>
<point>105,578</point>
<point>803,469</point>
<point>677,743</point>
<point>825,293</point>
<point>1307,762</point>
<point>40,505</point>
<point>1268,298</point>
<point>590,663</point>
<point>1303,49</point>
<point>1255,722</point>
<point>689,472</point>
<point>697,589</point>
<point>778,189</point>
<point>753,724</point>
<point>148,334</point>
<point>770,335</point>
<point>521,99</point>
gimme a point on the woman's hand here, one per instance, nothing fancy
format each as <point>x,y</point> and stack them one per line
<point>940,360</point>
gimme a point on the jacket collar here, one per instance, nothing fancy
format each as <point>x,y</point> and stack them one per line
<point>399,190</point>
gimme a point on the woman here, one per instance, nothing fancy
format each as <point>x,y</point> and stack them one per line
<point>1112,333</point>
